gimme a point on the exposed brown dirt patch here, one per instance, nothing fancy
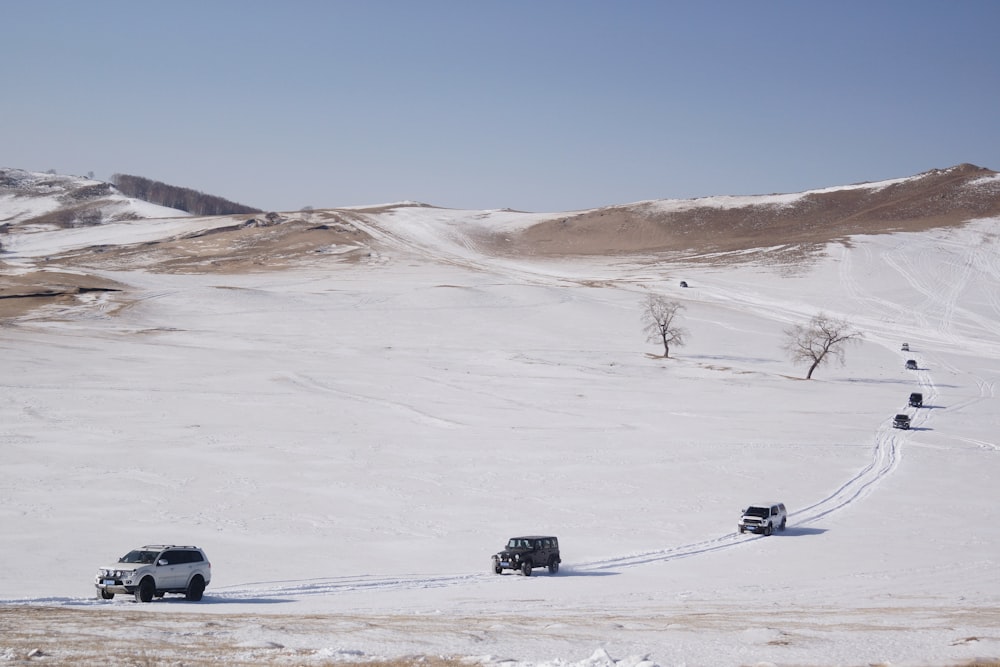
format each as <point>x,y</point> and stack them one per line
<point>23,293</point>
<point>939,198</point>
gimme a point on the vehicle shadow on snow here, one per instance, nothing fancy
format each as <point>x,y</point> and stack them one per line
<point>798,531</point>
<point>563,572</point>
<point>217,599</point>
<point>571,572</point>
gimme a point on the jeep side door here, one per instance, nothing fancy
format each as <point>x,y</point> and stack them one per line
<point>536,553</point>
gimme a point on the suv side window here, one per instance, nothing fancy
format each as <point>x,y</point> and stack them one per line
<point>171,557</point>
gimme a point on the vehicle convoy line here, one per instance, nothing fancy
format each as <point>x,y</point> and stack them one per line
<point>885,457</point>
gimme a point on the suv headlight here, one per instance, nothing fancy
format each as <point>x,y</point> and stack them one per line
<point>115,574</point>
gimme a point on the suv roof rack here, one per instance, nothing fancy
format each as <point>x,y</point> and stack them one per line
<point>168,546</point>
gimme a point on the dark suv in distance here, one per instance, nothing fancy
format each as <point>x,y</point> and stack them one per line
<point>916,400</point>
<point>525,553</point>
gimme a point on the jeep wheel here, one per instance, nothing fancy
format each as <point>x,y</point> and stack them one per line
<point>742,530</point>
<point>107,595</point>
<point>495,565</point>
<point>553,565</point>
<point>767,530</point>
<point>782,526</point>
<point>195,589</point>
<point>526,568</point>
<point>145,591</point>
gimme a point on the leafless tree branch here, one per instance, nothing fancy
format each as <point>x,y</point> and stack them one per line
<point>659,317</point>
<point>821,339</point>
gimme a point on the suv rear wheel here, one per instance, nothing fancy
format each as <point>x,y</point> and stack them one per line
<point>195,589</point>
<point>553,565</point>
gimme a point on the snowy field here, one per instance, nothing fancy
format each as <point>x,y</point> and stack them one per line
<point>351,442</point>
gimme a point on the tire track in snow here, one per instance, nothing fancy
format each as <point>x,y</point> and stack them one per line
<point>885,458</point>
<point>311,587</point>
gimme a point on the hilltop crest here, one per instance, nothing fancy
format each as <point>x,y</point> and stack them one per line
<point>60,201</point>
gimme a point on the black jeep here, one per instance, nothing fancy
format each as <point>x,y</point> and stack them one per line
<point>524,553</point>
<point>916,400</point>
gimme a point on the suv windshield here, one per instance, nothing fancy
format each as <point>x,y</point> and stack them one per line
<point>138,556</point>
<point>518,544</point>
<point>762,512</point>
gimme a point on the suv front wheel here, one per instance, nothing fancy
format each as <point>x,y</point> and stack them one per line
<point>526,568</point>
<point>146,590</point>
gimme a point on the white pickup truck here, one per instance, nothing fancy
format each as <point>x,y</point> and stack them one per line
<point>764,518</point>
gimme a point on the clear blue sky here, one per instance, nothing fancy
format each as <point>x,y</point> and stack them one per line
<point>534,105</point>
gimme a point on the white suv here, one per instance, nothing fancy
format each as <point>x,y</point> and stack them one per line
<point>156,569</point>
<point>764,518</point>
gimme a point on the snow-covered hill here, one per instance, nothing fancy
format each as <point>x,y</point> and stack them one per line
<point>55,200</point>
<point>351,437</point>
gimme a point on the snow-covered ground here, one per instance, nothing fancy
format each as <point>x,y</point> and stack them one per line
<point>351,443</point>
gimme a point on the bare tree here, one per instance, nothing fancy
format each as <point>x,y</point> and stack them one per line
<point>659,317</point>
<point>822,338</point>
